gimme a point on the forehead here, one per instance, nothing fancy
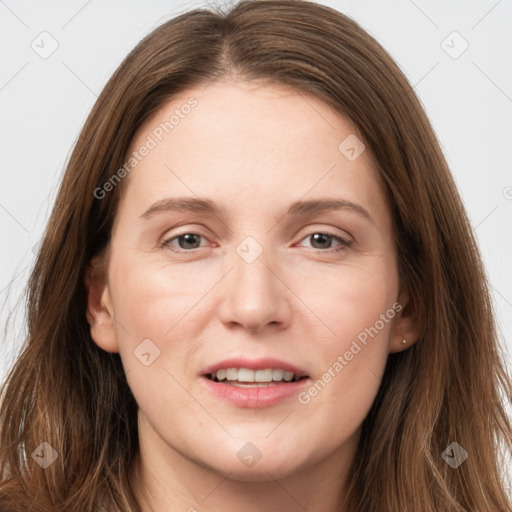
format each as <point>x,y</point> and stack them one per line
<point>252,144</point>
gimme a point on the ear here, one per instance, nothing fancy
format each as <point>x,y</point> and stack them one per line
<point>407,322</point>
<point>100,313</point>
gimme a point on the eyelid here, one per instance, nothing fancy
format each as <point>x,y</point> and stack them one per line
<point>166,241</point>
<point>344,241</point>
<point>332,231</point>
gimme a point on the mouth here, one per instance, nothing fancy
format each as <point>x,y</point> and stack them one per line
<point>248,378</point>
<point>258,383</point>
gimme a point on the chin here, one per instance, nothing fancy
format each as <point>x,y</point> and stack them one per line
<point>260,472</point>
<point>275,464</point>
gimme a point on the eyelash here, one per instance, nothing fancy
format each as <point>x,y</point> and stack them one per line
<point>344,244</point>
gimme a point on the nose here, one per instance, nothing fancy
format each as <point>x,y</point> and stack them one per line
<point>254,295</point>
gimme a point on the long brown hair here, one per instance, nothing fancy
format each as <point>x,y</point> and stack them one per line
<point>448,387</point>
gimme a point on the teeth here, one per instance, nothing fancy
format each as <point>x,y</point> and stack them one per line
<point>288,376</point>
<point>252,385</point>
<point>262,375</point>
<point>231,374</point>
<point>268,375</point>
<point>277,374</point>
<point>245,375</point>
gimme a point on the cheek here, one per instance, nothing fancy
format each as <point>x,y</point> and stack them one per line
<point>158,326</point>
<point>155,300</point>
<point>348,297</point>
<point>157,339</point>
<point>359,307</point>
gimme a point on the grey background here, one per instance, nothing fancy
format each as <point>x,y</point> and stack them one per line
<point>44,102</point>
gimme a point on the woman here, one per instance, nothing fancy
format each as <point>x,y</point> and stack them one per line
<point>254,371</point>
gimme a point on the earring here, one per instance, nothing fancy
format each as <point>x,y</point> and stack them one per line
<point>404,341</point>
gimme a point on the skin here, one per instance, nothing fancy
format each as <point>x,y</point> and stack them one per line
<point>254,149</point>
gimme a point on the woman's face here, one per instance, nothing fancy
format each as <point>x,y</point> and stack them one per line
<point>280,259</point>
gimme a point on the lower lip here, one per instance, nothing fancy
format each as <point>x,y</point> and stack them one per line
<point>255,397</point>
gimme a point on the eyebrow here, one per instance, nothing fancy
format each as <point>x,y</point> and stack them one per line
<point>204,205</point>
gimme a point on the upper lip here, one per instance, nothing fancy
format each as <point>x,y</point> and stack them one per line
<point>255,364</point>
